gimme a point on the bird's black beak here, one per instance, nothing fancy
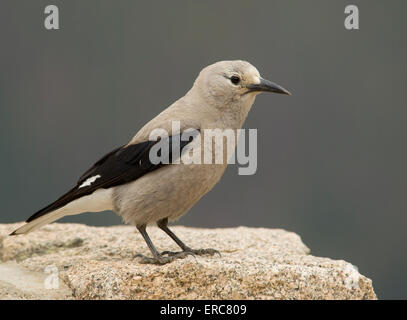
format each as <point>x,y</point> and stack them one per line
<point>267,86</point>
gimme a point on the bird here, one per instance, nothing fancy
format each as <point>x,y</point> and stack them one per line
<point>144,192</point>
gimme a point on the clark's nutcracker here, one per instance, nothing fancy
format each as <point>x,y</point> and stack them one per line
<point>142,192</point>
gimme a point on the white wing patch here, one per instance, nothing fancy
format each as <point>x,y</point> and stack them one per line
<point>89,181</point>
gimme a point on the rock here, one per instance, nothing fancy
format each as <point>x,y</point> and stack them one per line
<point>97,263</point>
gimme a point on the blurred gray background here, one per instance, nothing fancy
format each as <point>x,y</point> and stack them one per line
<point>331,158</point>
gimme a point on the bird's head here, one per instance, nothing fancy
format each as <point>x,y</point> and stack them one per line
<point>233,81</point>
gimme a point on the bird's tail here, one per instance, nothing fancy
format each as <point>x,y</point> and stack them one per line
<point>100,200</point>
<point>39,222</point>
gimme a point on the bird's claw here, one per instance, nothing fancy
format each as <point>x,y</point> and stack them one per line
<point>180,254</point>
<point>161,260</point>
<point>193,252</point>
<point>203,252</point>
<point>169,256</point>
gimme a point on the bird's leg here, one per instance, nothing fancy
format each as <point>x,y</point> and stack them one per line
<point>163,225</point>
<point>157,257</point>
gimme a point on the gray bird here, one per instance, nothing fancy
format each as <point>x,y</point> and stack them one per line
<point>142,192</point>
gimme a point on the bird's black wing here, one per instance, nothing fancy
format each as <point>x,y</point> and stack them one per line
<point>120,166</point>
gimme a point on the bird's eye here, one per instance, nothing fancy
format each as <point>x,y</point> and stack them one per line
<point>235,79</point>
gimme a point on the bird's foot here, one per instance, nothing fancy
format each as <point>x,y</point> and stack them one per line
<point>161,260</point>
<point>198,252</point>
<point>182,254</point>
<point>204,252</point>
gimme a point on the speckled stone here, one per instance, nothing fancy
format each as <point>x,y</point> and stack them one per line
<point>256,263</point>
